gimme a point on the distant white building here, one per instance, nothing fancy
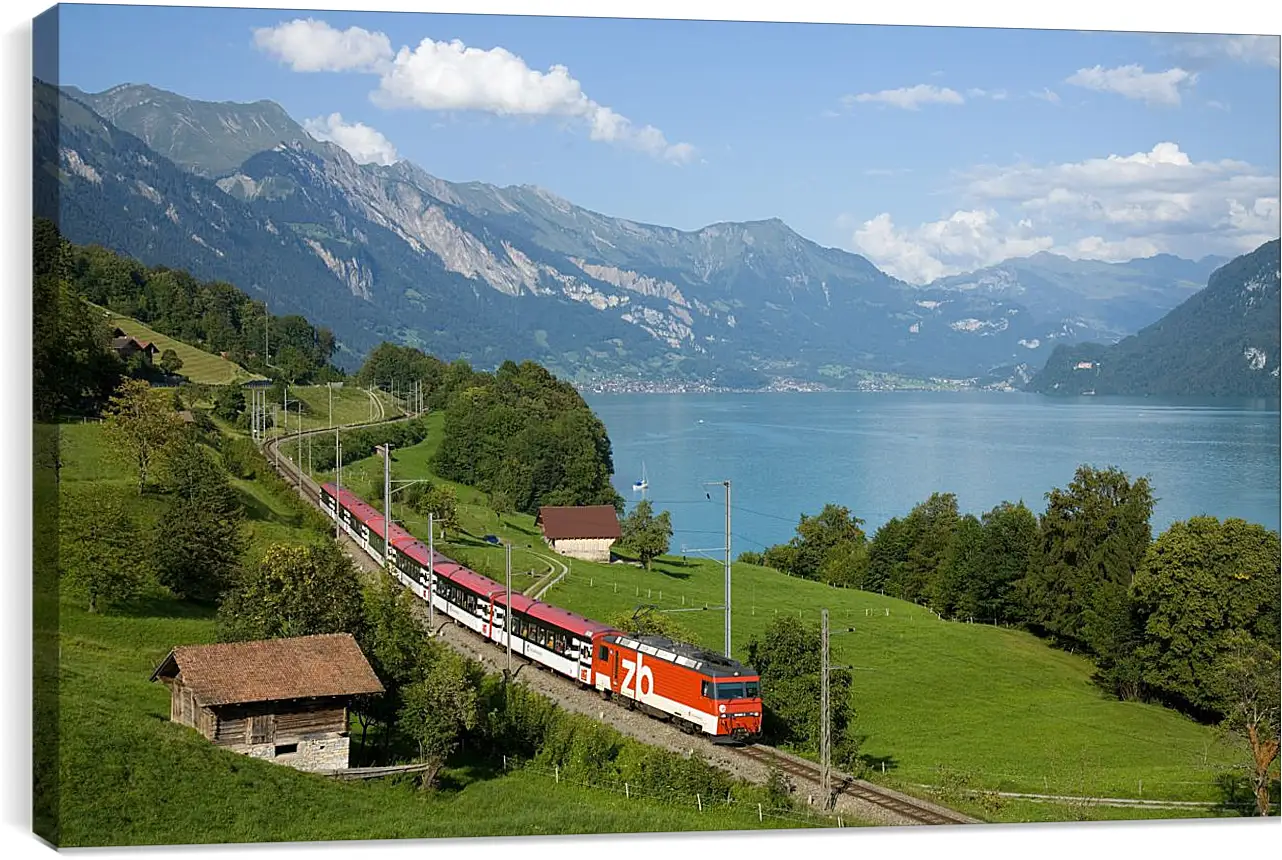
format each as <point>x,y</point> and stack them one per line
<point>586,532</point>
<point>1084,365</point>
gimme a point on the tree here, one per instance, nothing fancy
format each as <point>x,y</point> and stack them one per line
<point>963,565</point>
<point>73,366</point>
<point>1093,537</point>
<point>397,647</point>
<point>442,503</point>
<point>101,552</point>
<point>1010,537</point>
<point>229,402</point>
<point>141,424</point>
<point>788,660</point>
<point>1203,584</point>
<point>646,534</point>
<point>198,541</point>
<point>170,363</point>
<point>932,528</point>
<point>438,709</point>
<point>819,535</point>
<point>501,503</point>
<point>293,591</point>
<point>1248,672</point>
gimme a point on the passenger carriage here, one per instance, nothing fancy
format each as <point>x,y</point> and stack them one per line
<point>699,690</point>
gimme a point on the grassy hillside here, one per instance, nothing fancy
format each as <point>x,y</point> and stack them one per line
<point>129,776</point>
<point>198,366</point>
<point>936,699</point>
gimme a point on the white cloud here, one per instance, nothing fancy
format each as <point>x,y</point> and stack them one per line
<point>308,45</point>
<point>366,145</point>
<point>1118,207</point>
<point>1251,50</point>
<point>1163,197</point>
<point>967,240</point>
<point>909,98</point>
<point>1046,95</point>
<point>1135,83</point>
<point>450,76</point>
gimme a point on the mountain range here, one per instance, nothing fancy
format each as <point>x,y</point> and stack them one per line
<point>1222,341</point>
<point>241,192</point>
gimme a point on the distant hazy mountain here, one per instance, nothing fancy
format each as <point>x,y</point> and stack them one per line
<point>487,273</point>
<point>1223,341</point>
<point>1088,299</point>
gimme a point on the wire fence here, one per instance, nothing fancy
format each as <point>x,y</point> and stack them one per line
<point>707,804</point>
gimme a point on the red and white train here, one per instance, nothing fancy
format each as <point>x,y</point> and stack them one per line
<point>698,690</point>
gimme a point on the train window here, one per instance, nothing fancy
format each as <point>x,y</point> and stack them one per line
<point>706,691</point>
<point>730,690</point>
<point>752,689</point>
<point>604,654</point>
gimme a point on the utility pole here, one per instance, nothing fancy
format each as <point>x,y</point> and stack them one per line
<point>825,708</point>
<point>507,610</point>
<point>727,568</point>
<point>825,716</point>
<point>338,486</point>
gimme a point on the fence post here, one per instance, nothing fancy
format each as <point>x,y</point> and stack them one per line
<point>505,762</point>
<point>760,815</point>
<point>699,800</point>
<point>627,792</point>
<point>839,824</point>
<point>558,773</point>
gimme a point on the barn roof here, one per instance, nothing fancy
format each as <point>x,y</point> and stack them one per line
<point>590,521</point>
<point>302,667</point>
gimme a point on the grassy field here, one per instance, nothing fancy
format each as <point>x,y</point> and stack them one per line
<point>127,775</point>
<point>198,366</point>
<point>351,406</point>
<point>995,707</point>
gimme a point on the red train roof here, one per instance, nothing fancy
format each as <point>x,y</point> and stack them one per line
<point>567,620</point>
<point>466,577</point>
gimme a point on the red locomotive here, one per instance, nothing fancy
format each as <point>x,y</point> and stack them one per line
<point>696,689</point>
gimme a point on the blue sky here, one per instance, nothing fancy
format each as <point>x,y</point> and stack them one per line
<point>929,150</point>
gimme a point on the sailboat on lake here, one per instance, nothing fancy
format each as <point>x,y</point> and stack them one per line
<point>642,485</point>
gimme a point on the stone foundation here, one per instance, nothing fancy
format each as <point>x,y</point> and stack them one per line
<point>310,754</point>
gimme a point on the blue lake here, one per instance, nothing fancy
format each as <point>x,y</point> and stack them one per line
<point>880,453</point>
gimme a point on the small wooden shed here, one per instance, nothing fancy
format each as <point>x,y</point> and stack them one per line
<point>280,699</point>
<point>587,532</point>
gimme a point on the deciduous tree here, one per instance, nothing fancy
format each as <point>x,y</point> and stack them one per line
<point>439,709</point>
<point>170,363</point>
<point>645,533</point>
<point>100,552</point>
<point>199,540</point>
<point>140,424</point>
<point>1248,673</point>
<point>294,591</point>
<point>1204,583</point>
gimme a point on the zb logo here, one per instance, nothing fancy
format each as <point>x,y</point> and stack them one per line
<point>644,678</point>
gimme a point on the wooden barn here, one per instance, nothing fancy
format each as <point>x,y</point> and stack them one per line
<point>587,532</point>
<point>279,699</point>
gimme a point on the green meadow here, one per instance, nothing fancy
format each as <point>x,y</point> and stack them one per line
<point>127,775</point>
<point>198,366</point>
<point>995,709</point>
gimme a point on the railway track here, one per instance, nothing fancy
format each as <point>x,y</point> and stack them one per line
<point>912,810</point>
<point>908,810</point>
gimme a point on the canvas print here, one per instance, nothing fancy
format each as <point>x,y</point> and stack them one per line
<point>460,425</point>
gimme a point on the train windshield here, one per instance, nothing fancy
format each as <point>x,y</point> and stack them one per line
<point>738,690</point>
